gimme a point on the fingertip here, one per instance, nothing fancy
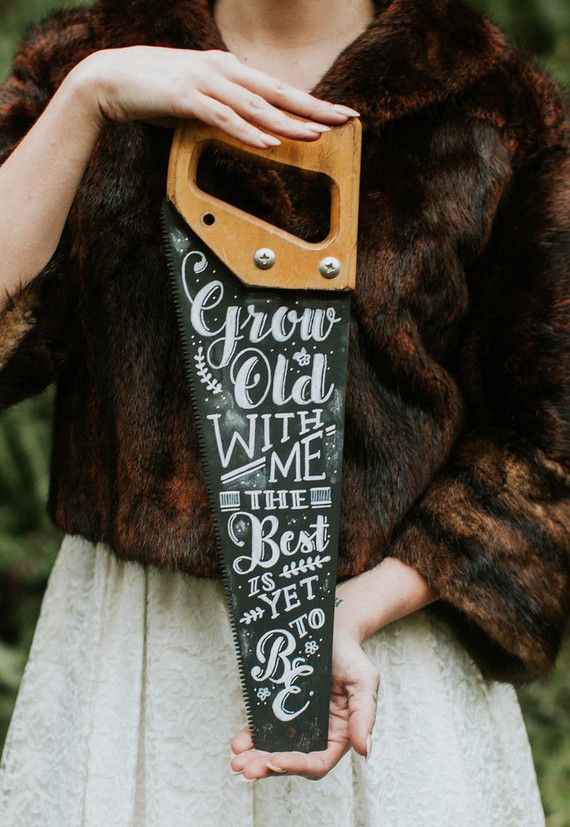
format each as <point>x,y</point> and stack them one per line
<point>286,762</point>
<point>271,766</point>
<point>346,110</point>
<point>271,140</point>
<point>334,110</point>
<point>358,735</point>
<point>245,777</point>
<point>308,137</point>
<point>360,747</point>
<point>241,742</point>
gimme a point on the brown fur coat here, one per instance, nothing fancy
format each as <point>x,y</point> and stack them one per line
<point>457,449</point>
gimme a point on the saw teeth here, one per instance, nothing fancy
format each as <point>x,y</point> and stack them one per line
<point>203,458</point>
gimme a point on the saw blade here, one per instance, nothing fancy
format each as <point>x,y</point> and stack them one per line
<point>267,370</point>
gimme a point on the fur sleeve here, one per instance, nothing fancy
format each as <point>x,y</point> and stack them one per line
<point>33,327</point>
<point>491,533</point>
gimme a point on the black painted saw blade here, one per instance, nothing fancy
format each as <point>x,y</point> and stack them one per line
<point>267,375</point>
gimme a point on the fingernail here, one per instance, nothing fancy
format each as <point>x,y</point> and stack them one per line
<point>346,110</point>
<point>318,127</point>
<point>270,140</point>
<point>368,746</point>
<point>271,766</point>
<point>235,772</point>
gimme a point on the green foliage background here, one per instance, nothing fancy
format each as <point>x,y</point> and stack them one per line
<point>28,543</point>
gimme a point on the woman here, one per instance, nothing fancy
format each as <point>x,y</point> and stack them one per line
<point>453,566</point>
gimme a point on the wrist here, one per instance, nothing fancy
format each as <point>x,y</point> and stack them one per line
<point>86,85</point>
<point>352,613</point>
<point>378,596</point>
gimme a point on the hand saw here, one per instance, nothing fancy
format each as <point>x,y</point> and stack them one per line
<point>264,321</point>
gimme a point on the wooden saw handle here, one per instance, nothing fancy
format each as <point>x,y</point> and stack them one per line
<point>235,236</point>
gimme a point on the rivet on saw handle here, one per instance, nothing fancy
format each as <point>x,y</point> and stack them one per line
<point>237,237</point>
<point>330,267</point>
<point>264,258</point>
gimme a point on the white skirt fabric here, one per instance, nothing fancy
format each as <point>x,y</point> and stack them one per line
<point>131,696</point>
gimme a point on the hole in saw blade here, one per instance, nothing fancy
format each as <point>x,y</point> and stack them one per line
<point>293,199</point>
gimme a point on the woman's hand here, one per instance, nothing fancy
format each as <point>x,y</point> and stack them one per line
<point>352,712</point>
<point>161,85</point>
<point>364,604</point>
<point>148,83</point>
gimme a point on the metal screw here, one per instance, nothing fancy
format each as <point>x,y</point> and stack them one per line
<point>329,267</point>
<point>264,258</point>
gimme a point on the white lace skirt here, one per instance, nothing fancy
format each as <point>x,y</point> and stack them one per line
<point>131,696</point>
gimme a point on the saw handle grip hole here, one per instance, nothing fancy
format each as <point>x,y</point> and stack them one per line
<point>312,199</point>
<point>208,219</point>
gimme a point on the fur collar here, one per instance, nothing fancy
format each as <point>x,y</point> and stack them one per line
<point>414,53</point>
